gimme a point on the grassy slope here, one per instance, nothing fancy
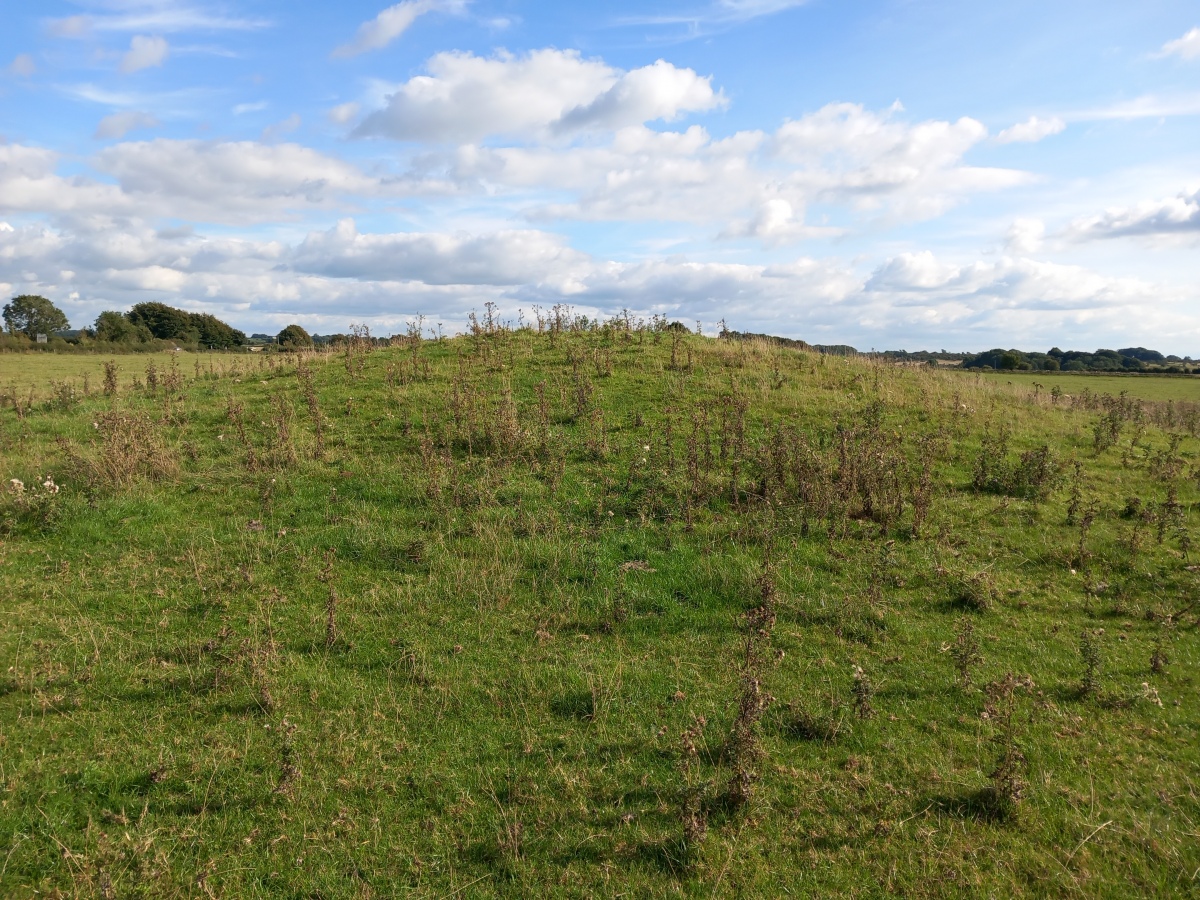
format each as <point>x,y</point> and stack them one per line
<point>501,713</point>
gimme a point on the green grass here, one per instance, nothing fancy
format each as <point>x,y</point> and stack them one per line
<point>500,712</point>
<point>35,373</point>
<point>1142,387</point>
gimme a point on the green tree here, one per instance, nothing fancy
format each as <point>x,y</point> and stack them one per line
<point>1009,361</point>
<point>211,332</point>
<point>164,322</point>
<point>293,337</point>
<point>116,328</point>
<point>170,324</point>
<point>32,315</point>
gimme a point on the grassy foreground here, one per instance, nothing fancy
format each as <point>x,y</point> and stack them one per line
<point>597,613</point>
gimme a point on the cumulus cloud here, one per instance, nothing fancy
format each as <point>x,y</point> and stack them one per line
<point>1032,130</point>
<point>333,277</point>
<point>391,23</point>
<point>144,53</point>
<point>29,184</point>
<point>778,222</point>
<point>656,92</point>
<point>120,124</point>
<point>1010,283</point>
<point>1187,47</point>
<point>22,66</point>
<point>499,258</point>
<point>466,97</point>
<point>217,182</point>
<point>1170,216</point>
<point>871,160</point>
<point>751,184</point>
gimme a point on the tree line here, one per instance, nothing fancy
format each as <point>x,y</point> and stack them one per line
<point>1130,359</point>
<point>147,326</point>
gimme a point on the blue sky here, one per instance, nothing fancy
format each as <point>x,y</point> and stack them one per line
<point>886,173</point>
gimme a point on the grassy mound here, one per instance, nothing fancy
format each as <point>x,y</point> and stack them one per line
<point>593,612</point>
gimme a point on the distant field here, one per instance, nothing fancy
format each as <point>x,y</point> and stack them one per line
<point>1145,387</point>
<point>22,372</point>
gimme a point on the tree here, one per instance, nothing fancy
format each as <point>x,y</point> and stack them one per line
<point>213,333</point>
<point>293,337</point>
<point>32,315</point>
<point>116,328</point>
<point>165,322</point>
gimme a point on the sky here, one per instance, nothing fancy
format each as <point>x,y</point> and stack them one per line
<point>917,174</point>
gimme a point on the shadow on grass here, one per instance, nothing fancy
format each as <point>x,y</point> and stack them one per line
<point>981,805</point>
<point>579,705</point>
<point>670,855</point>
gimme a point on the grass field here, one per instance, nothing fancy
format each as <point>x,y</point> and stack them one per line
<point>1142,387</point>
<point>597,613</point>
<point>36,374</point>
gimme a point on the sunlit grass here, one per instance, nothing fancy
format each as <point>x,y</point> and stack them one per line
<point>534,594</point>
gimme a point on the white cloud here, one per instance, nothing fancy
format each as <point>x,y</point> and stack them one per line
<point>750,183</point>
<point>393,22</point>
<point>70,27</point>
<point>655,92</point>
<point>226,183</point>
<point>28,184</point>
<point>467,97</point>
<point>120,124</point>
<point>750,9</point>
<point>144,53</point>
<point>236,180</point>
<point>22,66</point>
<point>159,16</point>
<point>499,258</point>
<point>334,277</point>
<point>641,174</point>
<point>1170,216</point>
<point>870,160</point>
<point>1187,47</point>
<point>1148,106</point>
<point>1025,236</point>
<point>1032,130</point>
<point>1011,283</point>
<point>343,113</point>
<point>242,108</point>
<point>718,14</point>
<point>778,222</point>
